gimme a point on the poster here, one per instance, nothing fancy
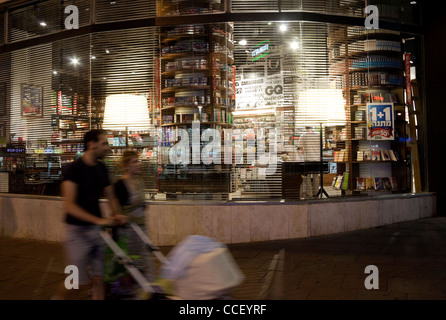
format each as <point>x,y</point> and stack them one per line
<point>265,92</point>
<point>2,99</point>
<point>380,121</point>
<point>32,100</point>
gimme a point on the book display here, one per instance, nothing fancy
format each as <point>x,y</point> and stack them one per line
<point>186,7</point>
<point>196,86</point>
<point>367,65</point>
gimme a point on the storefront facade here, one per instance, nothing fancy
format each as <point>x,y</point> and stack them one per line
<point>217,97</point>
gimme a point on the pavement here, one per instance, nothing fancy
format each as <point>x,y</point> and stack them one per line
<point>410,260</point>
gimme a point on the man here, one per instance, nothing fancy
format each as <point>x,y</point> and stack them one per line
<point>84,182</point>
<point>310,147</point>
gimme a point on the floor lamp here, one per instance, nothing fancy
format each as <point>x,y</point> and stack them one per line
<point>126,112</point>
<point>321,191</point>
<point>322,107</point>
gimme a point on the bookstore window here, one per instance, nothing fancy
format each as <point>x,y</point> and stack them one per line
<point>219,111</point>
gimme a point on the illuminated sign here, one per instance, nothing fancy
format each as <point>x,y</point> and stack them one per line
<point>261,50</point>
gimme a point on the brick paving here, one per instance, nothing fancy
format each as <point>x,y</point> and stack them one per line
<point>410,256</point>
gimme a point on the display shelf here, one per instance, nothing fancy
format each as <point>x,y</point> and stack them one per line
<point>367,66</point>
<point>179,7</point>
<point>196,84</point>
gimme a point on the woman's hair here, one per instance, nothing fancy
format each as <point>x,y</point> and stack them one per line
<point>127,156</point>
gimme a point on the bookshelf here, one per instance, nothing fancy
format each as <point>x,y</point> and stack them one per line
<point>183,7</point>
<point>196,85</point>
<point>367,66</point>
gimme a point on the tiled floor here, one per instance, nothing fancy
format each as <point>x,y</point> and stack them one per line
<point>410,257</point>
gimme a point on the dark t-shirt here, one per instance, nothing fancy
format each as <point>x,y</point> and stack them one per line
<point>91,181</point>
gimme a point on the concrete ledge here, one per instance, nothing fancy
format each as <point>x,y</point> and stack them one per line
<point>41,218</point>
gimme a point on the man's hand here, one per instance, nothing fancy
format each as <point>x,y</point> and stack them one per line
<point>120,219</point>
<point>105,222</point>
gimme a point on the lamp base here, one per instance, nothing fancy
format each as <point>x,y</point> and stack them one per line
<point>321,192</point>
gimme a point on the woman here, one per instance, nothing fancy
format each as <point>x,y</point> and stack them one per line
<point>129,191</point>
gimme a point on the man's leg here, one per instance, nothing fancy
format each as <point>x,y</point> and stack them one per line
<point>76,250</point>
<point>97,259</point>
<point>97,288</point>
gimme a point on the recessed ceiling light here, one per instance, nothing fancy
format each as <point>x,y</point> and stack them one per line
<point>75,61</point>
<point>294,45</point>
<point>43,24</point>
<point>283,27</point>
<point>243,42</point>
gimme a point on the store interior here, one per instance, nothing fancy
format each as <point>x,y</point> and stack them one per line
<point>220,111</point>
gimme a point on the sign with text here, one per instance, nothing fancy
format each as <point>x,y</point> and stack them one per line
<point>380,121</point>
<point>260,50</point>
<point>265,92</point>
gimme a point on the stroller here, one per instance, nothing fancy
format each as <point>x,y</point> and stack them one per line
<point>198,268</point>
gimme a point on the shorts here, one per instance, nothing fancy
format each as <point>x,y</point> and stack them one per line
<point>85,249</point>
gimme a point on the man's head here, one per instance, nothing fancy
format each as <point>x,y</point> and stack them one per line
<point>96,143</point>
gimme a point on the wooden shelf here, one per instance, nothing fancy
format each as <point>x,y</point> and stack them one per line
<point>344,50</point>
<point>190,123</point>
<point>185,88</point>
<point>172,73</point>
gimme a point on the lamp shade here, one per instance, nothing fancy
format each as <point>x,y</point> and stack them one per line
<point>316,106</point>
<point>126,112</point>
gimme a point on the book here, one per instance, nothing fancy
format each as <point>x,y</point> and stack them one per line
<point>379,184</point>
<point>376,155</point>
<point>385,156</point>
<point>392,155</point>
<point>360,183</point>
<point>394,183</point>
<point>333,183</point>
<point>360,115</point>
<point>367,156</point>
<point>386,183</point>
<point>345,181</point>
<point>336,156</point>
<point>370,183</point>
<point>360,133</point>
<point>338,182</point>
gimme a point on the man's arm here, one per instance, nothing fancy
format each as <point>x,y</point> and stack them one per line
<point>69,194</point>
<point>114,204</point>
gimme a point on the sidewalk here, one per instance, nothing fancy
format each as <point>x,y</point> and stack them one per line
<point>410,257</point>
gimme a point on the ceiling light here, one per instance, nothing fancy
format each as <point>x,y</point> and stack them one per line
<point>107,51</point>
<point>294,45</point>
<point>243,42</point>
<point>75,61</point>
<point>283,27</point>
<point>54,72</point>
<point>43,24</point>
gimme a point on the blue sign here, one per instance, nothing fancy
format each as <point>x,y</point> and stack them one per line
<point>380,121</point>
